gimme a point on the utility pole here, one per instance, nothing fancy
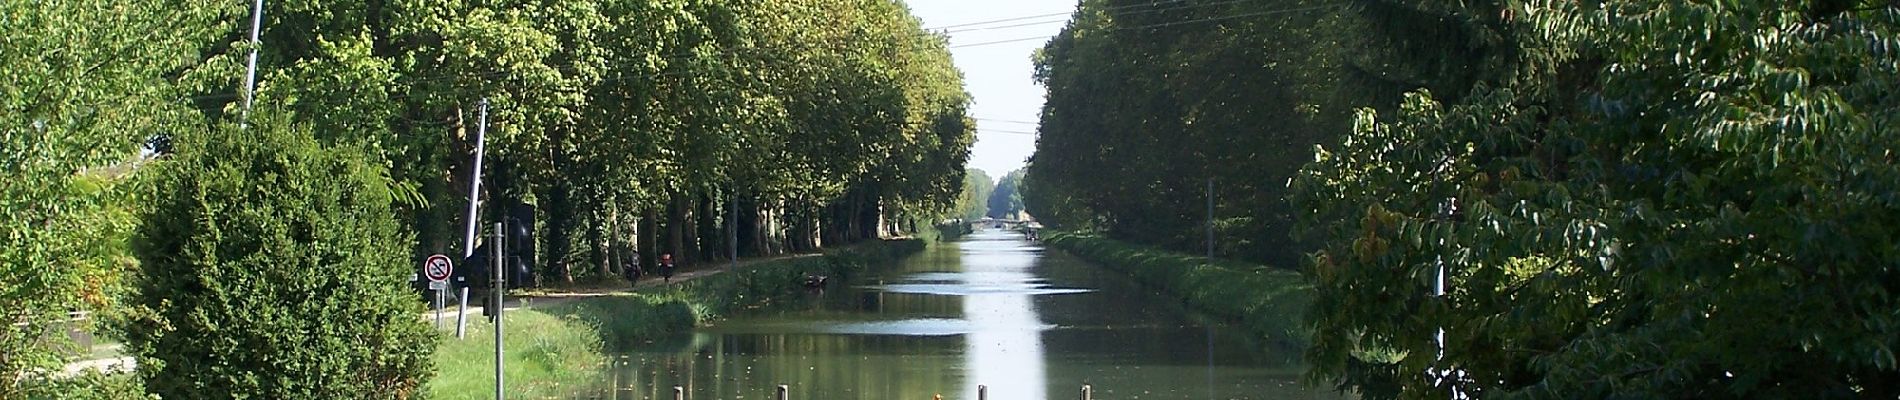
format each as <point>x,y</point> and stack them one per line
<point>250,72</point>
<point>474,203</point>
<point>499,286</point>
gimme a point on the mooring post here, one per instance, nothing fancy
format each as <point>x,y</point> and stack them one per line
<point>784,392</point>
<point>679,393</point>
<point>1088,393</point>
<point>982,392</point>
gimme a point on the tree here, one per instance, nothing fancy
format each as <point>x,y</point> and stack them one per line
<point>82,90</point>
<point>272,266</point>
<point>974,203</point>
<point>1642,199</point>
<point>1147,101</point>
<point>1007,200</point>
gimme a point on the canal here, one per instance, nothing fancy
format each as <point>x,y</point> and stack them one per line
<point>991,309</point>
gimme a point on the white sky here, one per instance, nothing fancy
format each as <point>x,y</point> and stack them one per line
<point>997,75</point>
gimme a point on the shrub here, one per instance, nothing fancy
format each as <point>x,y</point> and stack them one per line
<point>272,267</point>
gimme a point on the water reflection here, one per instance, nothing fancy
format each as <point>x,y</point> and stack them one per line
<point>1005,350</point>
<point>992,309</point>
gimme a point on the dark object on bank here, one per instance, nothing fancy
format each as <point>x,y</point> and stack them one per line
<point>815,281</point>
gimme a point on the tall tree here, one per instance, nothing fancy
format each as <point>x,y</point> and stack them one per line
<point>974,203</point>
<point>1149,101</point>
<point>1007,200</point>
<point>84,87</point>
<point>1629,203</point>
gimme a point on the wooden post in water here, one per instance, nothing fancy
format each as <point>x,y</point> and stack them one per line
<point>1088,393</point>
<point>982,392</point>
<point>784,392</point>
<point>679,393</point>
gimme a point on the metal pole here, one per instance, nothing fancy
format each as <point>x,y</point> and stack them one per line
<point>1210,219</point>
<point>1088,393</point>
<point>1438,290</point>
<point>1210,361</point>
<point>250,71</point>
<point>784,392</point>
<point>500,285</point>
<point>982,392</point>
<point>474,202</point>
<point>734,224</point>
<point>679,393</point>
<point>438,308</point>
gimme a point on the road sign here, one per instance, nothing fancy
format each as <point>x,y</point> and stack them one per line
<point>438,285</point>
<point>438,268</point>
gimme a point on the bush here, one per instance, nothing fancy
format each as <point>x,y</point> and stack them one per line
<point>272,267</point>
<point>89,385</point>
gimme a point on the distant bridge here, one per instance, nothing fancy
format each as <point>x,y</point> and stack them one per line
<point>1012,224</point>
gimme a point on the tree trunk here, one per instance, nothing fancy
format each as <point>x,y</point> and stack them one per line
<point>707,234</point>
<point>558,206</point>
<point>648,232</point>
<point>602,242</point>
<point>676,228</point>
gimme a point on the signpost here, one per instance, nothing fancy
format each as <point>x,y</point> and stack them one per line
<point>438,268</point>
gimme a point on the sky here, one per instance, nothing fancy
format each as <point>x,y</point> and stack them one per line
<point>997,75</point>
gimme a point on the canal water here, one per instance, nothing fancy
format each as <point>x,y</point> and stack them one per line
<point>992,309</point>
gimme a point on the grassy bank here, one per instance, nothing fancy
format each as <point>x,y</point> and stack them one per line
<point>549,356</point>
<point>554,351</point>
<point>1265,301</point>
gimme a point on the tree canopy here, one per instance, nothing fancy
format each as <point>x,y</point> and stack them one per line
<point>974,203</point>
<point>1635,199</point>
<point>632,123</point>
<point>1148,101</point>
<point>1630,199</point>
<point>1006,201</point>
<point>662,126</point>
<point>84,87</point>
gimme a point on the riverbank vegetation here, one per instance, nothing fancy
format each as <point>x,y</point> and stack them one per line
<point>1630,199</point>
<point>1267,302</point>
<point>689,127</point>
<point>548,356</point>
<point>562,349</point>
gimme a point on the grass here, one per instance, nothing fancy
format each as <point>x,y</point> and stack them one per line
<point>549,356</point>
<point>1268,302</point>
<point>560,350</point>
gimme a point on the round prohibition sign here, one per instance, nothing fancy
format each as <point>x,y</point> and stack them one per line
<point>437,268</point>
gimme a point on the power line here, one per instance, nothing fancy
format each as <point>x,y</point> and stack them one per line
<point>1006,121</point>
<point>1072,12</point>
<point>1158,25</point>
<point>1000,42</point>
<point>1066,20</point>
<point>1006,131</point>
<point>990,28</point>
<point>1066,13</point>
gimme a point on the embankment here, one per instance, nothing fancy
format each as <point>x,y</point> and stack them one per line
<point>560,350</point>
<point>1267,302</point>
